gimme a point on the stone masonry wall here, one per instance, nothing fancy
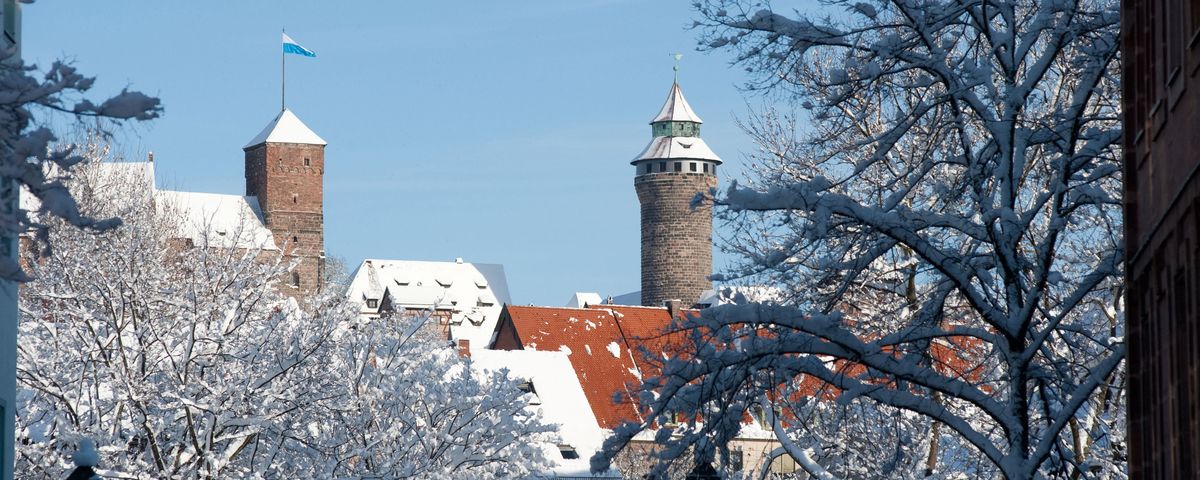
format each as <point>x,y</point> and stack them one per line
<point>676,240</point>
<point>288,178</point>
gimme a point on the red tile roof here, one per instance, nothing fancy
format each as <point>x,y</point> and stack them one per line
<point>587,335</point>
<point>609,380</point>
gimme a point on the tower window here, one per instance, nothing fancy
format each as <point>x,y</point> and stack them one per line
<point>662,166</point>
<point>706,168</point>
<point>295,198</point>
<point>306,162</point>
<point>295,279</point>
<point>295,240</point>
<point>678,166</point>
<point>693,166</point>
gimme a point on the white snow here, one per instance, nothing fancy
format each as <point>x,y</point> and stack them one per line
<point>583,299</point>
<point>690,148</point>
<point>614,349</point>
<point>217,220</point>
<point>473,293</point>
<point>562,401</point>
<point>286,128</point>
<point>676,108</point>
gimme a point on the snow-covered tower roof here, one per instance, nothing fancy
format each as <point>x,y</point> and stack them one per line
<point>676,108</point>
<point>676,131</point>
<point>286,128</point>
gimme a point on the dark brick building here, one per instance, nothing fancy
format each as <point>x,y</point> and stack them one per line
<point>676,238</point>
<point>1161,103</point>
<point>285,170</point>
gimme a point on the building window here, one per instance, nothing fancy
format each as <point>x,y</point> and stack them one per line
<point>372,303</point>
<point>736,460</point>
<point>662,166</point>
<point>306,162</point>
<point>568,452</point>
<point>295,279</point>
<point>692,167</point>
<point>783,464</point>
<point>295,198</point>
<point>706,168</point>
<point>295,240</point>
<point>678,166</point>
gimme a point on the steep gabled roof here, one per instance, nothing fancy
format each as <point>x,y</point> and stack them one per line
<point>286,128</point>
<point>676,108</point>
<point>592,339</point>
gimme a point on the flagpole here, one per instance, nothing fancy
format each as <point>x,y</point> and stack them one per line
<point>282,76</point>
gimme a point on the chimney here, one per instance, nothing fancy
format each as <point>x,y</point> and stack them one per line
<point>150,157</point>
<point>464,348</point>
<point>673,306</point>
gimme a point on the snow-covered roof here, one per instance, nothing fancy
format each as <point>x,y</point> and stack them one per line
<point>561,402</point>
<point>474,293</point>
<point>217,220</point>
<point>631,298</point>
<point>676,108</point>
<point>583,299</point>
<point>286,128</point>
<point>692,148</point>
<point>123,181</point>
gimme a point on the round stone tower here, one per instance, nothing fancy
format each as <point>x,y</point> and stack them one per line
<point>676,238</point>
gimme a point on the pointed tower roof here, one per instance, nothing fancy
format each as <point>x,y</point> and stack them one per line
<point>676,109</point>
<point>286,128</point>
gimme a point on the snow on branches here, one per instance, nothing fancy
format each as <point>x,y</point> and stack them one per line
<point>181,360</point>
<point>27,103</point>
<point>950,185</point>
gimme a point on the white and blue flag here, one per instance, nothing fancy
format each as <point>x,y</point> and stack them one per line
<point>290,46</point>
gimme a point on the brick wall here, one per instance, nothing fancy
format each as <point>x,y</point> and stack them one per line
<point>676,240</point>
<point>288,178</point>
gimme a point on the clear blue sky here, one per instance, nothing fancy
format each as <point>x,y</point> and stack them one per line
<point>500,132</point>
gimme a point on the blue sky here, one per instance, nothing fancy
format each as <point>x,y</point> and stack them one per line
<point>500,132</point>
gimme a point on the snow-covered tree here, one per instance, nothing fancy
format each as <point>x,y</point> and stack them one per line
<point>417,409</point>
<point>182,360</point>
<point>27,106</point>
<point>947,220</point>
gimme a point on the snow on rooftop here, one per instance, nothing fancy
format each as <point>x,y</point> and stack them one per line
<point>691,148</point>
<point>562,402</point>
<point>286,128</point>
<point>583,299</point>
<point>217,220</point>
<point>474,293</point>
<point>676,108</point>
<point>122,181</point>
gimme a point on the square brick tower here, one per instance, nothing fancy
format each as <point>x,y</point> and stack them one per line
<point>285,169</point>
<point>676,239</point>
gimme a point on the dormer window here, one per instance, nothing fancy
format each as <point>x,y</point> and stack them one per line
<point>527,387</point>
<point>372,303</point>
<point>568,452</point>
